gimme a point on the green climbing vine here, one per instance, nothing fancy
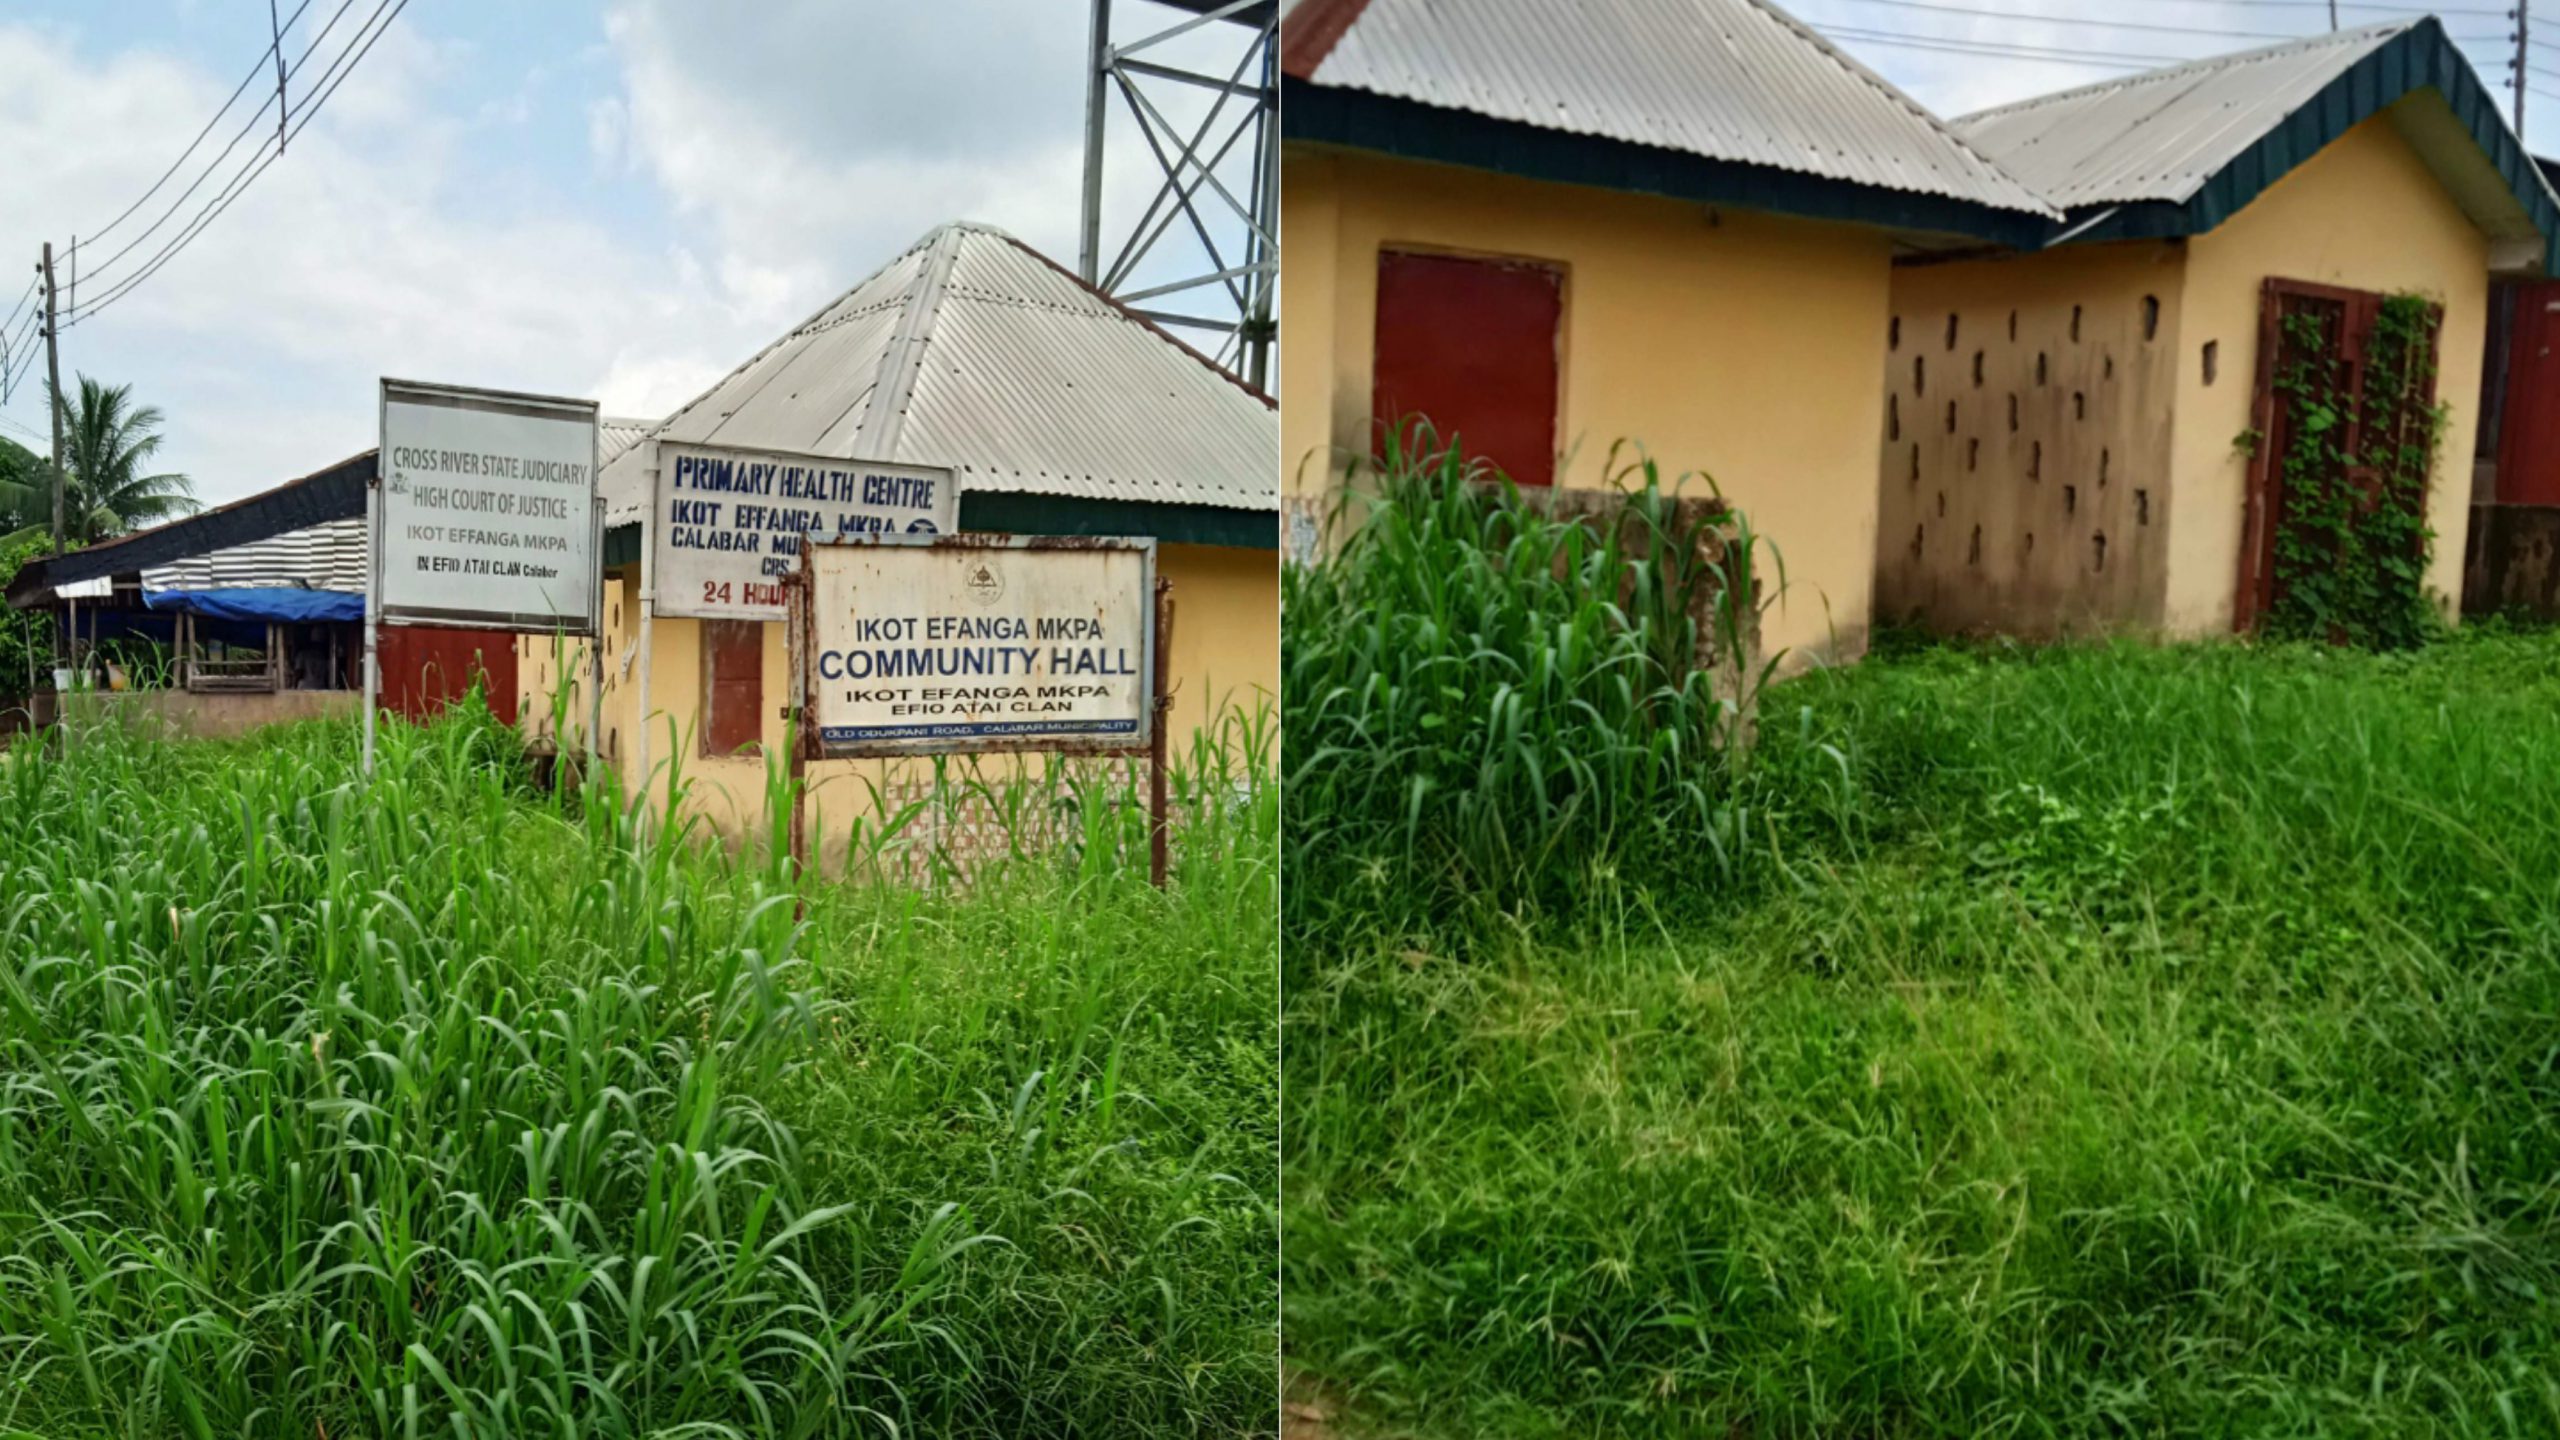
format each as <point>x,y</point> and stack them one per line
<point>2352,540</point>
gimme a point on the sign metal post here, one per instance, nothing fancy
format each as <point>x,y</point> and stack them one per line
<point>1157,824</point>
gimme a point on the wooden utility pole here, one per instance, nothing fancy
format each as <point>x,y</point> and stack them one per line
<point>53,400</point>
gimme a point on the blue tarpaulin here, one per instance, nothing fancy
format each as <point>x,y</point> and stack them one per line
<point>289,605</point>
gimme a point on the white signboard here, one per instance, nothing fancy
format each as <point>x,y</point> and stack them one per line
<point>980,642</point>
<point>728,524</point>
<point>485,515</point>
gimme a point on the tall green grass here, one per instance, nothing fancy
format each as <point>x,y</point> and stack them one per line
<point>2127,1041</point>
<point>447,1106</point>
<point>1495,706</point>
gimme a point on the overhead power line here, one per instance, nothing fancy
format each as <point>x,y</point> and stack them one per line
<point>99,270</point>
<point>300,116</point>
<point>2368,8</point>
<point>276,48</point>
<point>1978,13</point>
<point>20,308</point>
<point>2021,51</point>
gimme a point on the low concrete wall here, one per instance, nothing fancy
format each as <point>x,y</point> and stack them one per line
<point>213,717</point>
<point>2512,564</point>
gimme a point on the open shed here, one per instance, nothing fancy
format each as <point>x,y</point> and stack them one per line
<point>258,608</point>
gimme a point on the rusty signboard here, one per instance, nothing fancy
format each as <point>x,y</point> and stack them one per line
<point>944,644</point>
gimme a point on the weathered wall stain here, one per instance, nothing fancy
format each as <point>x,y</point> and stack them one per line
<point>2031,512</point>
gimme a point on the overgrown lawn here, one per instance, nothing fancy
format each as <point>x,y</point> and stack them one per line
<point>2109,1041</point>
<point>449,1107</point>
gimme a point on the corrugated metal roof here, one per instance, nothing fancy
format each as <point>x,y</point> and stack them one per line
<point>1015,374</point>
<point>617,433</point>
<point>1735,80</point>
<point>2162,134</point>
<point>320,557</point>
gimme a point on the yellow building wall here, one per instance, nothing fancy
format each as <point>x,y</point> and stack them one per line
<point>1225,658</point>
<point>2025,454</point>
<point>1734,343</point>
<point>2367,214</point>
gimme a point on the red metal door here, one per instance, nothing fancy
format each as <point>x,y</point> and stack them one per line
<point>2529,432</point>
<point>1470,346</point>
<point>426,668</point>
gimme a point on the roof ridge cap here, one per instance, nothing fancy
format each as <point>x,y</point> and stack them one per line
<point>902,359</point>
<point>791,333</point>
<point>1938,124</point>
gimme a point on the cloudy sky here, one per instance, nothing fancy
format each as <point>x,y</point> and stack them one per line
<point>625,198</point>
<point>614,198</point>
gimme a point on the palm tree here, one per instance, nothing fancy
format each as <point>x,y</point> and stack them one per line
<point>108,442</point>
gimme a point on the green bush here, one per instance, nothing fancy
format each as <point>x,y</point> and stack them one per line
<point>26,639</point>
<point>1495,707</point>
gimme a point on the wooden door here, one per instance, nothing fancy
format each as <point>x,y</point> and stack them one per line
<point>732,686</point>
<point>2529,421</point>
<point>2323,331</point>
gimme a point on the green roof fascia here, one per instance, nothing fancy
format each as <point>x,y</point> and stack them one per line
<point>2419,58</point>
<point>1018,513</point>
<point>621,545</point>
<point>1412,131</point>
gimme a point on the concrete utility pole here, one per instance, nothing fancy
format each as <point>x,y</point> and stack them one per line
<point>53,375</point>
<point>2524,24</point>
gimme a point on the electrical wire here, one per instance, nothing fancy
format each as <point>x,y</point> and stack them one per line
<point>2352,5</point>
<point>256,118</point>
<point>22,303</point>
<point>2121,61</point>
<point>21,353</point>
<point>255,70</point>
<point>341,68</point>
<point>2041,19</point>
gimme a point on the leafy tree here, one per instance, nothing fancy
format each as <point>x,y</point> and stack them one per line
<point>26,638</point>
<point>22,482</point>
<point>108,446</point>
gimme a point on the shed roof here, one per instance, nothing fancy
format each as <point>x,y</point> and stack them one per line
<point>1734,81</point>
<point>334,494</point>
<point>327,556</point>
<point>617,433</point>
<point>973,350</point>
<point>2179,150</point>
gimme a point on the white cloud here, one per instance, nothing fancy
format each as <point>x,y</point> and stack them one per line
<point>819,141</point>
<point>374,247</point>
<point>405,234</point>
